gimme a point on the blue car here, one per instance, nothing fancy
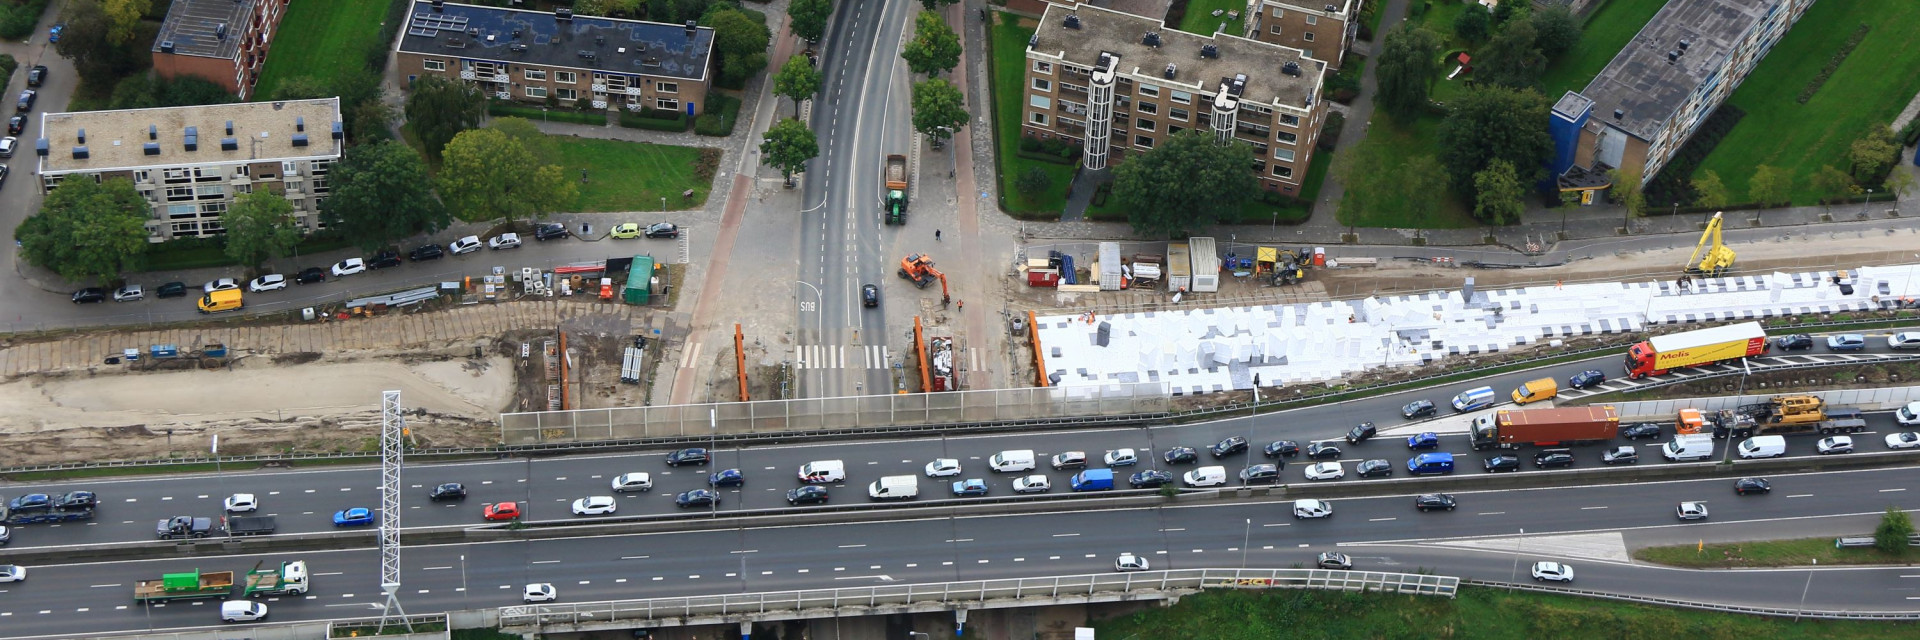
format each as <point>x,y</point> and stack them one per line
<point>355,517</point>
<point>53,35</point>
<point>1846,342</point>
<point>30,501</point>
<point>1587,378</point>
<point>1424,440</point>
<point>727,478</point>
<point>970,487</point>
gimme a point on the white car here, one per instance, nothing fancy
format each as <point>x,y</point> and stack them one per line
<point>1903,440</point>
<point>1835,444</point>
<point>594,506</point>
<point>1310,508</point>
<point>539,592</point>
<point>1326,471</point>
<point>12,573</point>
<point>221,284</point>
<point>636,481</point>
<point>1121,458</point>
<point>1691,511</point>
<point>943,468</point>
<point>349,267</point>
<point>465,245</point>
<point>269,282</point>
<point>1904,340</point>
<point>241,503</point>
<point>1130,562</point>
<point>1552,571</point>
<point>504,241</point>
<point>1032,484</point>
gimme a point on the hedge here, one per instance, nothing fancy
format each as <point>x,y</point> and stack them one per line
<point>507,109</point>
<point>654,120</point>
<point>18,20</point>
<point>722,112</point>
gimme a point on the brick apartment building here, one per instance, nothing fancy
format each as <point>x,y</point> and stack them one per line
<point>1116,83</point>
<point>223,41</point>
<point>1321,28</point>
<point>191,162</point>
<point>531,56</point>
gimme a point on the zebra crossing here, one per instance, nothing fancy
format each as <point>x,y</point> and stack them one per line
<point>834,356</point>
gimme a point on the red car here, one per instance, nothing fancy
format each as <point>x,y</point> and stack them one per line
<point>501,511</point>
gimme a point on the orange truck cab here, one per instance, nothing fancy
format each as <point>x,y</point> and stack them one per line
<point>1690,421</point>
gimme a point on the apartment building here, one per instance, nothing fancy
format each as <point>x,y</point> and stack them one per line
<point>224,41</point>
<point>1644,106</point>
<point>191,162</point>
<point>534,56</point>
<point>1117,83</point>
<point>1320,28</point>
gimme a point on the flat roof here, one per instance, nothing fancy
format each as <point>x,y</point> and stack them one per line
<point>1644,86</point>
<point>1122,34</point>
<point>518,36</point>
<point>1156,9</point>
<point>116,140</point>
<point>194,27</point>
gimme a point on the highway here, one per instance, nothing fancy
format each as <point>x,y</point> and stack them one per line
<point>1475,541</point>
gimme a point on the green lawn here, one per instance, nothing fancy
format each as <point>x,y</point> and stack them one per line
<point>1605,32</point>
<point>1868,90</point>
<point>1200,18</point>
<point>325,39</point>
<point>1009,55</point>
<point>1769,553</point>
<point>631,176</point>
<point>1390,143</point>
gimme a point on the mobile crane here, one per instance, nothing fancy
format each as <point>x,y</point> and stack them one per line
<point>1718,257</point>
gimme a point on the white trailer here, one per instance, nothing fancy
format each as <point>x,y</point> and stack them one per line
<point>1110,266</point>
<point>1179,268</point>
<point>1206,265</point>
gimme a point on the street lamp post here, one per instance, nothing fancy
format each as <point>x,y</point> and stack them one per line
<point>1803,591</point>
<point>1246,539</point>
<point>713,439</point>
<point>463,578</point>
<point>1868,204</point>
<point>1514,576</point>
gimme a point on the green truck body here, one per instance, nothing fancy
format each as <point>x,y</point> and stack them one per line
<point>190,585</point>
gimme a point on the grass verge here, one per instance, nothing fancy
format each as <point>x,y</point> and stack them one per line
<point>1390,143</point>
<point>1768,553</point>
<point>630,176</point>
<point>1008,56</point>
<point>328,43</point>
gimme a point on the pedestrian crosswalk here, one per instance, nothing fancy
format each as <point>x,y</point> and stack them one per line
<point>834,356</point>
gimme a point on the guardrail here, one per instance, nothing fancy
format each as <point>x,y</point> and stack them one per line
<point>973,594</point>
<point>1844,542</point>
<point>1705,606</point>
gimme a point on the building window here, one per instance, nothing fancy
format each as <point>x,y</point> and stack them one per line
<point>1143,124</point>
<point>211,191</point>
<point>1278,12</point>
<point>666,87</point>
<point>1260,148</point>
<point>1042,85</point>
<point>1143,142</point>
<point>1039,119</point>
<point>1042,67</point>
<point>1283,155</point>
<point>1312,19</point>
<point>1283,172</point>
<point>566,94</point>
<point>1177,114</point>
<point>1148,107</point>
<point>534,74</point>
<point>433,65</point>
<point>1308,36</point>
<point>1067,86</point>
<point>179,211</point>
<point>536,92</point>
<point>567,77</point>
<point>180,193</point>
<point>1287,137</point>
<point>1150,90</point>
<point>1259,166</point>
<point>1291,121</point>
<point>1173,130</point>
<point>1182,97</point>
<point>1307,53</point>
<point>1042,103</point>
<point>666,104</point>
<point>141,177</point>
<point>1275,29</point>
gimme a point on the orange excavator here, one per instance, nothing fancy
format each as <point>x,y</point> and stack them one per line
<point>918,268</point>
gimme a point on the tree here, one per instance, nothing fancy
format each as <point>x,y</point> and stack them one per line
<point>439,109</point>
<point>788,146</point>
<point>797,80</point>
<point>935,47</point>
<point>1556,31</point>
<point>260,227</point>
<point>934,5</point>
<point>1894,531</point>
<point>808,18</point>
<point>1188,181</point>
<point>1033,181</point>
<point>541,146</point>
<point>485,174</point>
<point>369,122</point>
<point>741,42</point>
<point>381,193</point>
<point>1409,60</point>
<point>1898,183</point>
<point>1627,190</point>
<point>1419,183</point>
<point>1708,191</point>
<point>1770,186</point>
<point>302,88</point>
<point>1473,24</point>
<point>1490,123</point>
<point>1873,155</point>
<point>123,19</point>
<point>1497,194</point>
<point>87,230</point>
<point>87,41</point>
<point>1512,58</point>
<point>1832,184</point>
<point>938,109</point>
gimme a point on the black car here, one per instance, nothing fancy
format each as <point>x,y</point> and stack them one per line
<point>1431,501</point>
<point>16,124</point>
<point>77,500</point>
<point>311,275</point>
<point>1260,474</point>
<point>1181,455</point>
<point>89,294</point>
<point>448,491</point>
<point>1620,455</point>
<point>869,296</point>
<point>1745,486</point>
<point>809,494</point>
<point>550,231</point>
<point>1360,433</point>
<point>1418,409</point>
<point>1279,448</point>
<point>383,260</point>
<point>1323,451</point>
<point>1644,430</point>
<point>1150,479</point>
<point>697,498</point>
<point>1553,458</point>
<point>426,252</point>
<point>1501,463</point>
<point>172,290</point>
<point>1231,445</point>
<point>663,230</point>
<point>1587,378</point>
<point>1794,342</point>
<point>694,455</point>
<point>37,76</point>
<point>727,478</point>
<point>1375,468</point>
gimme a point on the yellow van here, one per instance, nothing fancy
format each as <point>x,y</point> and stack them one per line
<point>1536,390</point>
<point>219,301</point>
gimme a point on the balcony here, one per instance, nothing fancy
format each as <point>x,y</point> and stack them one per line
<point>599,88</point>
<point>501,78</point>
<point>633,91</point>
<point>468,75</point>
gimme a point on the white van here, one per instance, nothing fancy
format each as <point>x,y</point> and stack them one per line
<point>894,488</point>
<point>242,611</point>
<point>1689,446</point>
<point>823,472</point>
<point>1011,461</point>
<point>1207,477</point>
<point>1763,447</point>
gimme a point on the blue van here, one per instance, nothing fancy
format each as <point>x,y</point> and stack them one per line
<point>1474,399</point>
<point>1427,464</point>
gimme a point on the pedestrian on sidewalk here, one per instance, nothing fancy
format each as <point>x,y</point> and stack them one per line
<point>963,305</point>
<point>936,235</point>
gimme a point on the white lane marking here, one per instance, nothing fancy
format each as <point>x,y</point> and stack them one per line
<point>1493,513</point>
<point>1590,508</point>
<point>1381,519</point>
<point>1891,490</point>
<point>1065,535</point>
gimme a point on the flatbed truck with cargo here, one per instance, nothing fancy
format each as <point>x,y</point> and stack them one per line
<point>188,585</point>
<point>289,579</point>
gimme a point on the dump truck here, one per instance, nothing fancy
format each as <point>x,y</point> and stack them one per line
<point>1787,415</point>
<point>250,525</point>
<point>290,579</point>
<point>192,585</point>
<point>1514,428</point>
<point>1696,348</point>
<point>894,209</point>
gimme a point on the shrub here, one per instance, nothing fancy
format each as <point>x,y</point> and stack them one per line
<point>1330,132</point>
<point>723,111</point>
<point>18,19</point>
<point>631,120</point>
<point>1029,144</point>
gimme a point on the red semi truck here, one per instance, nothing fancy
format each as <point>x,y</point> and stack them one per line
<point>1514,428</point>
<point>1699,347</point>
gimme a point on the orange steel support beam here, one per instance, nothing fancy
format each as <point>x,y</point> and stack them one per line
<point>566,397</point>
<point>920,355</point>
<point>1039,363</point>
<point>740,362</point>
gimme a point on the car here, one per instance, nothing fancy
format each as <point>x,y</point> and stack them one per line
<point>349,266</point>
<point>970,487</point>
<point>1835,444</point>
<point>426,252</point>
<point>943,467</point>
<point>129,293</point>
<point>1205,477</point>
<point>310,275</point>
<point>1131,562</point>
<point>12,573</point>
<point>1794,342</point>
<point>504,241</point>
<point>464,246</point>
<point>1229,446</point>
<point>90,295</point>
<point>269,282</point>
<point>3,175</point>
<point>53,34</point>
<point>447,492</point>
<point>31,501</point>
<point>1418,409</point>
<point>1552,571</point>
<point>539,592</point>
<point>171,290</point>
<point>1903,440</point>
<point>1325,471</point>
<point>1904,340</point>
<point>1423,440</point>
<point>691,455</point>
<point>1333,560</point>
<point>8,145</point>
<point>1069,460</point>
<point>1641,431</point>
<point>625,230</point>
<point>1120,458</point>
<point>663,230</point>
<point>77,500</point>
<point>550,231</point>
<point>241,503</point>
<point>1501,463</point>
<point>809,494</point>
<point>16,125</point>
<point>384,259</point>
<point>594,506</point>
<point>1260,474</point>
<point>500,511</point>
<point>1691,511</point>
<point>25,104</point>
<point>1432,501</point>
<point>1375,468</point>
<point>1553,458</point>
<point>638,481</point>
<point>1150,479</point>
<point>1307,508</point>
<point>1323,451</point>
<point>697,498</point>
<point>37,76</point>
<point>869,296</point>
<point>1745,486</point>
<point>6,534</point>
<point>726,478</point>
<point>220,284</point>
<point>1182,455</point>
<point>1280,448</point>
<point>353,517</point>
<point>1587,378</point>
<point>1846,342</point>
<point>1623,454</point>
<point>1032,484</point>
<point>1361,433</point>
